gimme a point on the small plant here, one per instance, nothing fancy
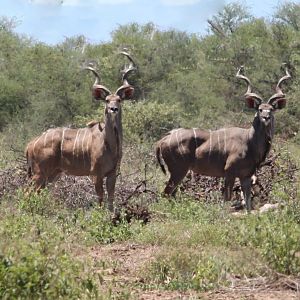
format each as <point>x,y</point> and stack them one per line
<point>103,229</point>
<point>36,203</point>
<point>34,276</point>
<point>187,269</point>
<point>277,237</point>
<point>208,274</point>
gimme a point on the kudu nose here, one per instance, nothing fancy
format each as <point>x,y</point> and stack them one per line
<point>114,109</point>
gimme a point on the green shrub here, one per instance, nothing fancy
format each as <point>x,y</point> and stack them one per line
<point>277,237</point>
<point>187,269</point>
<point>144,121</point>
<point>172,270</point>
<point>101,228</point>
<point>208,274</point>
<point>34,276</point>
<point>12,100</point>
<point>36,203</point>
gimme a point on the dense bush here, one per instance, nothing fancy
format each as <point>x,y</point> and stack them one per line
<point>149,121</point>
<point>185,79</point>
<point>36,276</point>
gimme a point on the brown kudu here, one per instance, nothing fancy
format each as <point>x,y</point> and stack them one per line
<point>227,152</point>
<point>95,150</point>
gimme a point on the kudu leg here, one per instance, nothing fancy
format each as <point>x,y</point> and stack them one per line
<point>39,182</point>
<point>110,187</point>
<point>229,182</point>
<point>175,179</point>
<point>246,189</point>
<point>54,176</point>
<point>99,189</point>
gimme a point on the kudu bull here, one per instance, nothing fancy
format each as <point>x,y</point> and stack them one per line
<point>227,152</point>
<point>95,150</point>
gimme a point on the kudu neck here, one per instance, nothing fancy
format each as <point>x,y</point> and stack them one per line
<point>261,136</point>
<point>261,130</point>
<point>113,132</point>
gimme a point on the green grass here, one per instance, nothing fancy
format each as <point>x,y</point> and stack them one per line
<point>39,245</point>
<point>202,246</point>
<point>45,248</point>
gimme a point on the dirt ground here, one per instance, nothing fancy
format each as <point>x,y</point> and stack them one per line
<point>125,262</point>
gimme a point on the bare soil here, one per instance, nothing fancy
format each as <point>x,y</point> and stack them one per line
<point>125,263</point>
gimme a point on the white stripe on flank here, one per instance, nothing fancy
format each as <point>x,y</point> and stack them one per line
<point>82,142</point>
<point>52,138</point>
<point>36,143</point>
<point>182,146</point>
<point>78,142</point>
<point>76,138</point>
<point>195,137</point>
<point>82,147</point>
<point>87,143</point>
<point>225,140</point>
<point>170,143</point>
<point>62,142</point>
<point>178,143</point>
<point>210,142</point>
<point>45,139</point>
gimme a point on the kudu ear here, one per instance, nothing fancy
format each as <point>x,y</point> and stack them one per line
<point>279,103</point>
<point>125,92</point>
<point>100,92</point>
<point>252,102</point>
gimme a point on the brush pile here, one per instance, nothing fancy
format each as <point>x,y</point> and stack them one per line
<point>134,193</point>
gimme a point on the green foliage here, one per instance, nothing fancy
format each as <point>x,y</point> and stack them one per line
<point>229,19</point>
<point>187,270</point>
<point>208,274</point>
<point>12,100</point>
<point>273,236</point>
<point>277,236</point>
<point>185,79</point>
<point>34,276</point>
<point>36,203</point>
<point>102,229</point>
<point>34,260</point>
<point>199,246</point>
<point>289,13</point>
<point>149,120</point>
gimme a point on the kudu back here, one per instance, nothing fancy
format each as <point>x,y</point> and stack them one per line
<point>95,150</point>
<point>228,152</point>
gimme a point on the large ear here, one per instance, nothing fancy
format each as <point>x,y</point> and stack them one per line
<point>100,92</point>
<point>252,102</point>
<point>125,92</point>
<point>279,103</point>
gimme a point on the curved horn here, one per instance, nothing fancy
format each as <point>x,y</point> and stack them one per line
<point>279,93</point>
<point>126,71</point>
<point>98,79</point>
<point>96,84</point>
<point>249,88</point>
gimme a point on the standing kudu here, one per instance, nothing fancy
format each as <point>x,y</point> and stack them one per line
<point>95,150</point>
<point>227,152</point>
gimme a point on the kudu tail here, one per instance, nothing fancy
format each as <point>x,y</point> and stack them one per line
<point>159,158</point>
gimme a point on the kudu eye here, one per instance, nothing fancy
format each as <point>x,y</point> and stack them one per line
<point>260,110</point>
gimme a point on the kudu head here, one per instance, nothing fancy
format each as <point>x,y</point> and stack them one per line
<point>113,100</point>
<point>264,110</point>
